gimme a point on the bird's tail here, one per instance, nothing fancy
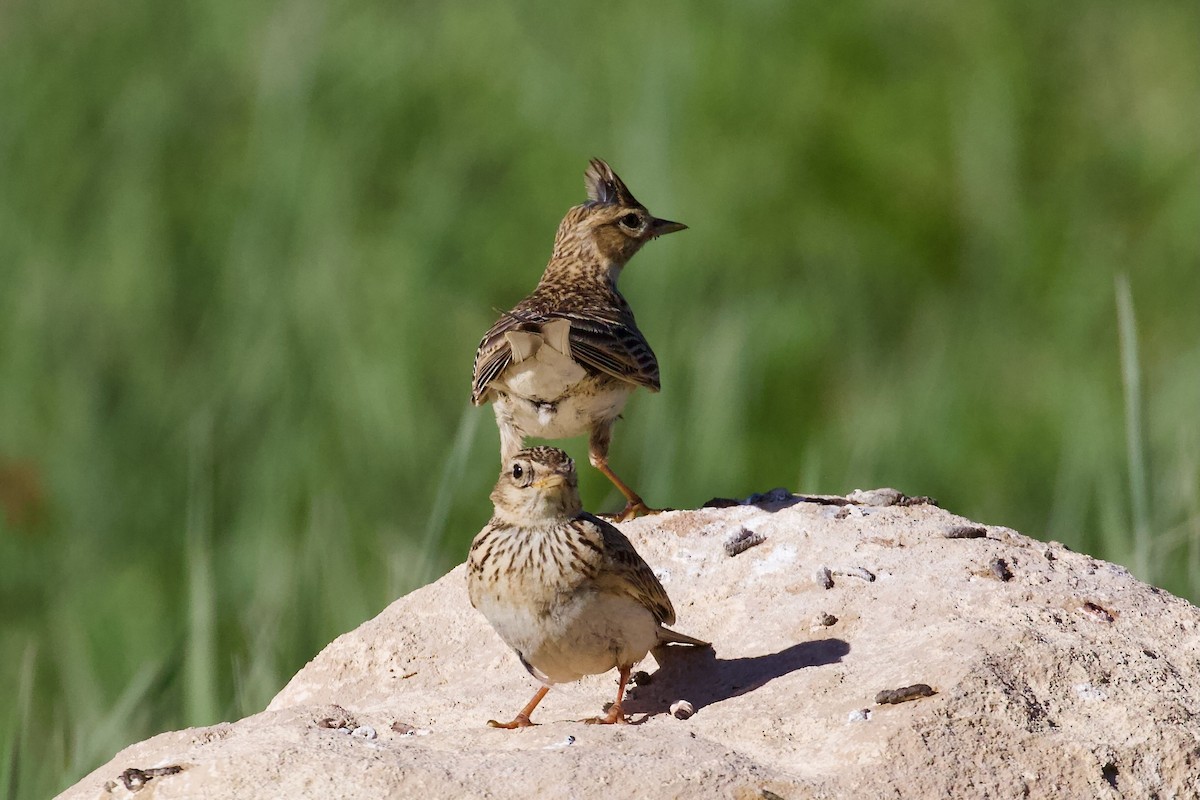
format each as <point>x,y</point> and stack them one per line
<point>668,636</point>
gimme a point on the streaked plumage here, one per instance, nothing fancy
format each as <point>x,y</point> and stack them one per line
<point>564,361</point>
<point>566,590</point>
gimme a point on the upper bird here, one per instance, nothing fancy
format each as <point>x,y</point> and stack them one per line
<point>564,361</point>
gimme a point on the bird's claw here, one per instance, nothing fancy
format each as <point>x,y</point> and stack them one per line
<point>633,510</point>
<point>520,721</point>
<point>615,716</point>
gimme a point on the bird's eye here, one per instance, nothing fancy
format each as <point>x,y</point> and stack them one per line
<point>631,221</point>
<point>518,471</point>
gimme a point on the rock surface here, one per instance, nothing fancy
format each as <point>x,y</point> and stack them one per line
<point>1053,675</point>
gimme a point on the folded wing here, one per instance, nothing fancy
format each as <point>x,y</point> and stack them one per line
<point>627,573</point>
<point>612,345</point>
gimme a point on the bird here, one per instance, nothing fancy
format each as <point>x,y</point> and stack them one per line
<point>564,361</point>
<point>563,588</point>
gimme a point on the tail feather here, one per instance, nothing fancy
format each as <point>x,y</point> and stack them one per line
<point>668,636</point>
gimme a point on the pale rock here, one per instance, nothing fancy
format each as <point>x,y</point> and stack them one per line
<point>1070,678</point>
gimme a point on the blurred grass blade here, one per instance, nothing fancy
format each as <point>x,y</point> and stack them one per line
<point>19,725</point>
<point>200,684</point>
<point>451,479</point>
<point>111,732</point>
<point>1131,380</point>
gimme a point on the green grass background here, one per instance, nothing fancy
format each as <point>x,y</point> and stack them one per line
<point>247,251</point>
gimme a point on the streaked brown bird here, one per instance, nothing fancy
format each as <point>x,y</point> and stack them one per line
<point>564,361</point>
<point>564,589</point>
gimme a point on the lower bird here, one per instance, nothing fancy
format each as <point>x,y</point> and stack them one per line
<point>564,589</point>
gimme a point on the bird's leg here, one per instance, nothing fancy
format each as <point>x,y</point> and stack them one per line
<point>522,719</point>
<point>634,505</point>
<point>511,438</point>
<point>598,443</point>
<point>615,715</point>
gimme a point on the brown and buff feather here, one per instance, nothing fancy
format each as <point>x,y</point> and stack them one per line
<point>579,285</point>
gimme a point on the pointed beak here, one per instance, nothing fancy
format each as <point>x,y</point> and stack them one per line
<point>661,227</point>
<point>551,481</point>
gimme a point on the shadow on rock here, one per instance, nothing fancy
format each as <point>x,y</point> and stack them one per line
<point>698,676</point>
<point>776,500</point>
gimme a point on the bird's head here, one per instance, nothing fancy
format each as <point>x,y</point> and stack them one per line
<point>612,225</point>
<point>537,485</point>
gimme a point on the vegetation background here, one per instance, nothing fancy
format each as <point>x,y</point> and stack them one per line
<point>247,251</point>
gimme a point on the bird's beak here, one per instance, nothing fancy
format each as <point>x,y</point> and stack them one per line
<point>661,227</point>
<point>551,481</point>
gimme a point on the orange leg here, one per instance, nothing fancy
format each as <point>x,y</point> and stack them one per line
<point>634,505</point>
<point>615,715</point>
<point>598,456</point>
<point>522,719</point>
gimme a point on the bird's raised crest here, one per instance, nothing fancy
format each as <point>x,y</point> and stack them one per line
<point>605,186</point>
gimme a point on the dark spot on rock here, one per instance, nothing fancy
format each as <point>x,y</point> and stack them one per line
<point>741,541</point>
<point>1098,611</point>
<point>1001,571</point>
<point>1109,771</point>
<point>904,694</point>
<point>966,532</point>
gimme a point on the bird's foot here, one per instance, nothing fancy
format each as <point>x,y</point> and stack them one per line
<point>520,721</point>
<point>615,716</point>
<point>633,509</point>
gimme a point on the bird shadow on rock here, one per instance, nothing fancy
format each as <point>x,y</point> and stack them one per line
<point>698,676</point>
<point>775,500</point>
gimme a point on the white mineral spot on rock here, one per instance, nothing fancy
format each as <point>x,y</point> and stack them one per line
<point>780,557</point>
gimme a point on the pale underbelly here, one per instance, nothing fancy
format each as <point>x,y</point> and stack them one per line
<point>587,403</point>
<point>588,635</point>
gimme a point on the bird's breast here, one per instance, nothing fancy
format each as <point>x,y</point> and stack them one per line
<point>542,591</point>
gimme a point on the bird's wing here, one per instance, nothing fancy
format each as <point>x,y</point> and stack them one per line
<point>627,573</point>
<point>493,355</point>
<point>608,343</point>
<point>613,344</point>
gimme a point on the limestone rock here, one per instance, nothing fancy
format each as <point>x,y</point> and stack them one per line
<point>1053,674</point>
